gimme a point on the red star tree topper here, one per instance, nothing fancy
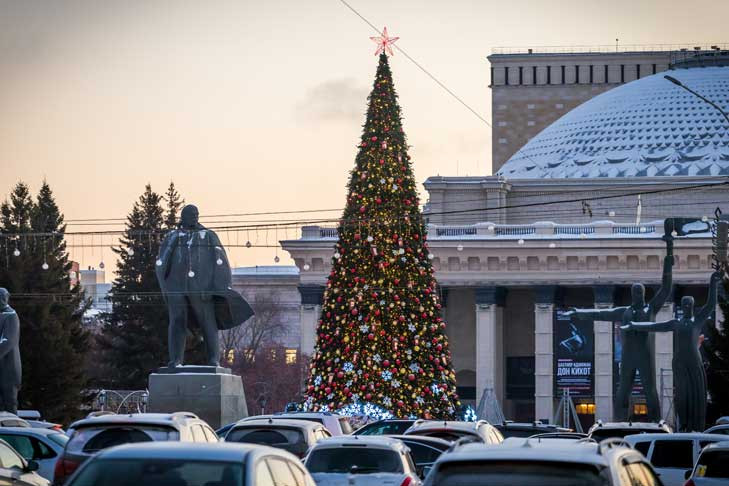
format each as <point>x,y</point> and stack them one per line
<point>380,338</point>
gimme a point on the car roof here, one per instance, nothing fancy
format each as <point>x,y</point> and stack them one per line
<point>374,441</point>
<point>628,425</point>
<point>216,451</point>
<point>305,414</point>
<point>446,424</point>
<point>674,436</point>
<point>423,439</point>
<point>721,445</point>
<point>30,430</point>
<point>166,419</point>
<point>520,449</point>
<point>275,421</point>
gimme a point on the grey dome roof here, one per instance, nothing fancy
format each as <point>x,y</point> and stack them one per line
<point>648,127</point>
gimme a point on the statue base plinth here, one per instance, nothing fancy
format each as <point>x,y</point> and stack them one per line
<point>212,393</point>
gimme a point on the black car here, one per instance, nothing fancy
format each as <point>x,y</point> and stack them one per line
<point>385,427</point>
<point>527,429</point>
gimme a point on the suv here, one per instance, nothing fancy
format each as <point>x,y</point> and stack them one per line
<point>516,429</point>
<point>557,461</point>
<point>294,436</point>
<point>8,419</point>
<point>336,424</point>
<point>385,427</point>
<point>361,460</point>
<point>672,455</point>
<point>91,435</point>
<point>601,431</point>
<point>452,430</point>
<point>712,466</point>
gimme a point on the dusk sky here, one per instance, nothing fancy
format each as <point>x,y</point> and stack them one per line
<point>257,106</point>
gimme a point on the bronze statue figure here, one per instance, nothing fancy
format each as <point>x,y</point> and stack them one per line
<point>194,275</point>
<point>10,369</point>
<point>689,378</point>
<point>637,354</point>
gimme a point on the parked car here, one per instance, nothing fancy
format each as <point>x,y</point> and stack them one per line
<point>16,471</point>
<point>43,446</point>
<point>605,430</point>
<point>91,435</point>
<point>712,466</point>
<point>521,461</point>
<point>294,436</point>
<point>517,429</point>
<point>177,463</point>
<point>336,424</point>
<point>672,455</point>
<point>8,419</point>
<point>424,450</point>
<point>718,429</point>
<point>452,430</point>
<point>385,427</point>
<point>361,460</point>
<point>34,418</point>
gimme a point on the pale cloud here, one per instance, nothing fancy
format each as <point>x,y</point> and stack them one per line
<point>334,100</point>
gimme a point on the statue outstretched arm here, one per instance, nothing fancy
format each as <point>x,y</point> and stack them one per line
<point>664,326</point>
<point>614,314</point>
<point>704,313</point>
<point>10,333</point>
<point>666,284</point>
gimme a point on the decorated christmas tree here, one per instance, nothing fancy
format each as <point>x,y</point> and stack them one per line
<point>381,340</point>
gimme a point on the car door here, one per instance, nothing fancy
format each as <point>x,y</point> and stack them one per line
<point>671,459</point>
<point>32,448</point>
<point>11,470</point>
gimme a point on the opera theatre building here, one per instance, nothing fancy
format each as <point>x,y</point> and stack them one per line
<point>591,152</point>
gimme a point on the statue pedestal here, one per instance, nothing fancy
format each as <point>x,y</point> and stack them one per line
<point>212,393</point>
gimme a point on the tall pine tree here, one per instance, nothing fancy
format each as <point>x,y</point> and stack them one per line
<point>53,342</point>
<point>717,354</point>
<point>380,338</point>
<point>174,206</point>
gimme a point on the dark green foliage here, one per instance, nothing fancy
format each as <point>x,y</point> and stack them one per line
<point>53,342</point>
<point>717,353</point>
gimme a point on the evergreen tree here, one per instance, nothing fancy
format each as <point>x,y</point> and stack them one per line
<point>380,338</point>
<point>717,355</point>
<point>174,206</point>
<point>53,342</point>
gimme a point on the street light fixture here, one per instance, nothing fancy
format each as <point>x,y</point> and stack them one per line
<point>681,85</point>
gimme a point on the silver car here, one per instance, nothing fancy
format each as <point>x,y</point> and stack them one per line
<point>43,446</point>
<point>712,466</point>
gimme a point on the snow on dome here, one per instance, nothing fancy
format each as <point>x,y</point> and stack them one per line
<point>648,127</point>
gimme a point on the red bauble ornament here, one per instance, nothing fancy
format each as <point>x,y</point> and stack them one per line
<point>340,374</point>
<point>411,377</point>
<point>374,139</point>
<point>386,363</point>
<point>362,209</point>
<point>371,336</point>
<point>400,403</point>
<point>327,390</point>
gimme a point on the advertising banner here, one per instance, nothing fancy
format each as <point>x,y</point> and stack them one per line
<point>574,356</point>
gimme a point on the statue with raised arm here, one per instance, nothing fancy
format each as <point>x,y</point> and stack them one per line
<point>637,354</point>
<point>195,278</point>
<point>10,370</point>
<point>689,378</point>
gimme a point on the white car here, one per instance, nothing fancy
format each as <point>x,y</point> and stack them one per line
<point>361,460</point>
<point>16,471</point>
<point>454,430</point>
<point>672,455</point>
<point>335,424</point>
<point>43,446</point>
<point>535,462</point>
<point>712,466</point>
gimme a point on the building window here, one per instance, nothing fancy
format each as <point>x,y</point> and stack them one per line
<point>506,75</point>
<point>559,106</point>
<point>530,107</point>
<point>521,75</point>
<point>291,356</point>
<point>592,78</point>
<point>562,69</point>
<point>654,69</point>
<point>637,71</point>
<point>534,74</point>
<point>530,123</point>
<point>607,78</point>
<point>502,107</point>
<point>549,74</point>
<point>503,141</point>
<point>577,74</point>
<point>502,123</point>
<point>622,73</point>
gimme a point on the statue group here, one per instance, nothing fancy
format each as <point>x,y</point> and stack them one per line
<point>638,320</point>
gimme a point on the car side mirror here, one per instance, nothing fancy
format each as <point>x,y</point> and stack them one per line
<point>687,474</point>
<point>31,466</point>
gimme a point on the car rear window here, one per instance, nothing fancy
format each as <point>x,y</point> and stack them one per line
<point>93,439</point>
<point>265,435</point>
<point>156,472</point>
<point>422,454</point>
<point>59,439</point>
<point>387,428</point>
<point>673,453</point>
<point>450,435</point>
<point>341,460</point>
<point>345,426</point>
<point>713,464</point>
<point>602,434</point>
<point>643,447</point>
<point>508,473</point>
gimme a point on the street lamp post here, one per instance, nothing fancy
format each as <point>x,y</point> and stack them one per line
<point>681,85</point>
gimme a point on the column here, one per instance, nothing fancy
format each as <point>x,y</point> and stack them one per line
<point>544,352</point>
<point>490,341</point>
<point>663,362</point>
<point>603,373</point>
<point>311,301</point>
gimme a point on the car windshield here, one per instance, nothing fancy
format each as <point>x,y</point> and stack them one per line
<point>59,439</point>
<point>602,434</point>
<point>713,464</point>
<point>93,439</point>
<point>265,435</point>
<point>507,473</point>
<point>386,428</point>
<point>156,472</point>
<point>341,460</point>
